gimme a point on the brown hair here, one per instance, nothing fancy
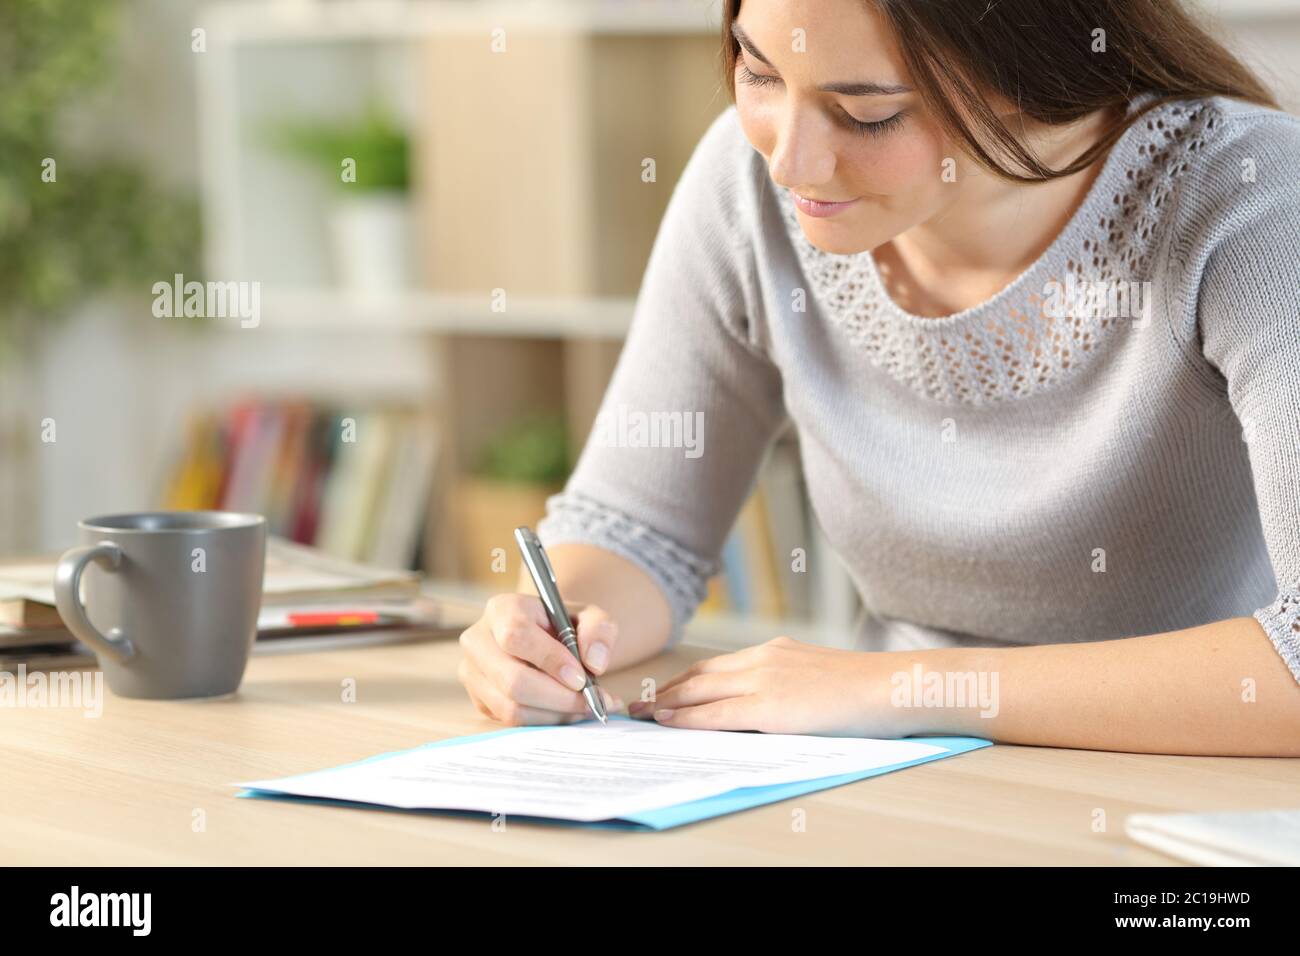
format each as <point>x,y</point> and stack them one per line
<point>1039,55</point>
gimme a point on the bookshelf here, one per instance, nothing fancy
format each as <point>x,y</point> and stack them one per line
<point>523,181</point>
<point>525,178</point>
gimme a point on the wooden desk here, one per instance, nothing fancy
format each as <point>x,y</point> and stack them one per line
<point>124,788</point>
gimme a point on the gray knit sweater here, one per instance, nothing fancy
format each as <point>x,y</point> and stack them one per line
<point>1108,447</point>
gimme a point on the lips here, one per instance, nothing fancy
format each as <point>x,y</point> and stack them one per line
<point>820,208</point>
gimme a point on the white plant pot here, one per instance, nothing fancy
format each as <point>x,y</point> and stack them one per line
<point>371,234</point>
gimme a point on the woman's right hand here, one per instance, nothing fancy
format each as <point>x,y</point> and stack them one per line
<point>517,671</point>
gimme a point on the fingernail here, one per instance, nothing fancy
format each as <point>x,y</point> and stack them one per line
<point>663,715</point>
<point>573,677</point>
<point>598,656</point>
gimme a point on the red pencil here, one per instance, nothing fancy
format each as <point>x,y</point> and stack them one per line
<point>333,618</point>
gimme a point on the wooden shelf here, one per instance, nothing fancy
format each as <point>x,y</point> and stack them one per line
<point>324,310</point>
<point>724,632</point>
<point>1237,10</point>
<point>298,21</point>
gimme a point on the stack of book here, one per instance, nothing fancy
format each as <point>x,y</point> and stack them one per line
<point>776,562</point>
<point>309,600</point>
<point>356,484</point>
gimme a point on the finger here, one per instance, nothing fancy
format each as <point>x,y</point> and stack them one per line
<point>502,708</point>
<point>472,680</point>
<point>519,633</point>
<point>466,673</point>
<point>501,606</point>
<point>597,633</point>
<point>724,662</point>
<point>700,689</point>
<point>487,663</point>
<point>733,713</point>
<point>525,684</point>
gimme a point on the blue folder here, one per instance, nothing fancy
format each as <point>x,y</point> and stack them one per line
<point>662,818</point>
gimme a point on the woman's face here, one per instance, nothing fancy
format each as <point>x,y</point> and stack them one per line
<point>822,94</point>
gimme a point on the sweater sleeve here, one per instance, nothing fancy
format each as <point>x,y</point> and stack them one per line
<point>693,402</point>
<point>1249,318</point>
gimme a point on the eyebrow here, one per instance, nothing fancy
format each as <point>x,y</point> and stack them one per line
<point>847,89</point>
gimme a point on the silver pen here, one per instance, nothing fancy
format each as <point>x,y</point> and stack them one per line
<point>548,589</point>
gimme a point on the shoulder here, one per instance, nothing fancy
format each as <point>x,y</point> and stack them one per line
<point>724,139</point>
<point>1235,230</point>
<point>722,181</point>
<point>1241,168</point>
<point>724,152</point>
<point>1252,126</point>
<point>1236,199</point>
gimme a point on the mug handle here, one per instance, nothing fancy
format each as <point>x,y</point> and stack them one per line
<point>67,595</point>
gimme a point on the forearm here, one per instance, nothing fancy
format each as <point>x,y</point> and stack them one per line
<point>1217,689</point>
<point>590,575</point>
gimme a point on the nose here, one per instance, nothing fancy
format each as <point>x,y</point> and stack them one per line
<point>804,155</point>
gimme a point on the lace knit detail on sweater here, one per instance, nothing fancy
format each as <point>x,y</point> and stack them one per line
<point>1027,343</point>
<point>1093,432</point>
<point>1281,622</point>
<point>682,575</point>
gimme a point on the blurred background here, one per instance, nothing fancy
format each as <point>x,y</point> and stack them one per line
<point>453,300</point>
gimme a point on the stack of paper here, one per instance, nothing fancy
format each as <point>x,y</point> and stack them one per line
<point>1237,838</point>
<point>298,579</point>
<point>629,773</point>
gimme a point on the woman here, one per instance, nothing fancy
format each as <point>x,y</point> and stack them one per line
<point>1023,275</point>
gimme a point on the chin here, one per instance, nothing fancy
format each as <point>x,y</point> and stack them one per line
<point>839,241</point>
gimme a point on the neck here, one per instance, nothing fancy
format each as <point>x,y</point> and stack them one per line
<point>995,228</point>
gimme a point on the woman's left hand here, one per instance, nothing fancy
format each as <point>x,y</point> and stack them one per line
<point>785,687</point>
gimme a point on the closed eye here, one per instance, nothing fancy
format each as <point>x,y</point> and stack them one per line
<point>756,79</point>
<point>877,128</point>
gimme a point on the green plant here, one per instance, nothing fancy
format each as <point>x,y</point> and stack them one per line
<point>95,223</point>
<point>374,141</point>
<point>533,450</point>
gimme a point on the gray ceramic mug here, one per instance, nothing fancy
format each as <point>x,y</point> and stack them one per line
<point>171,608</point>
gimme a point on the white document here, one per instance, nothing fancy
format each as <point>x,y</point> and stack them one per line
<point>587,772</point>
<point>1237,838</point>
